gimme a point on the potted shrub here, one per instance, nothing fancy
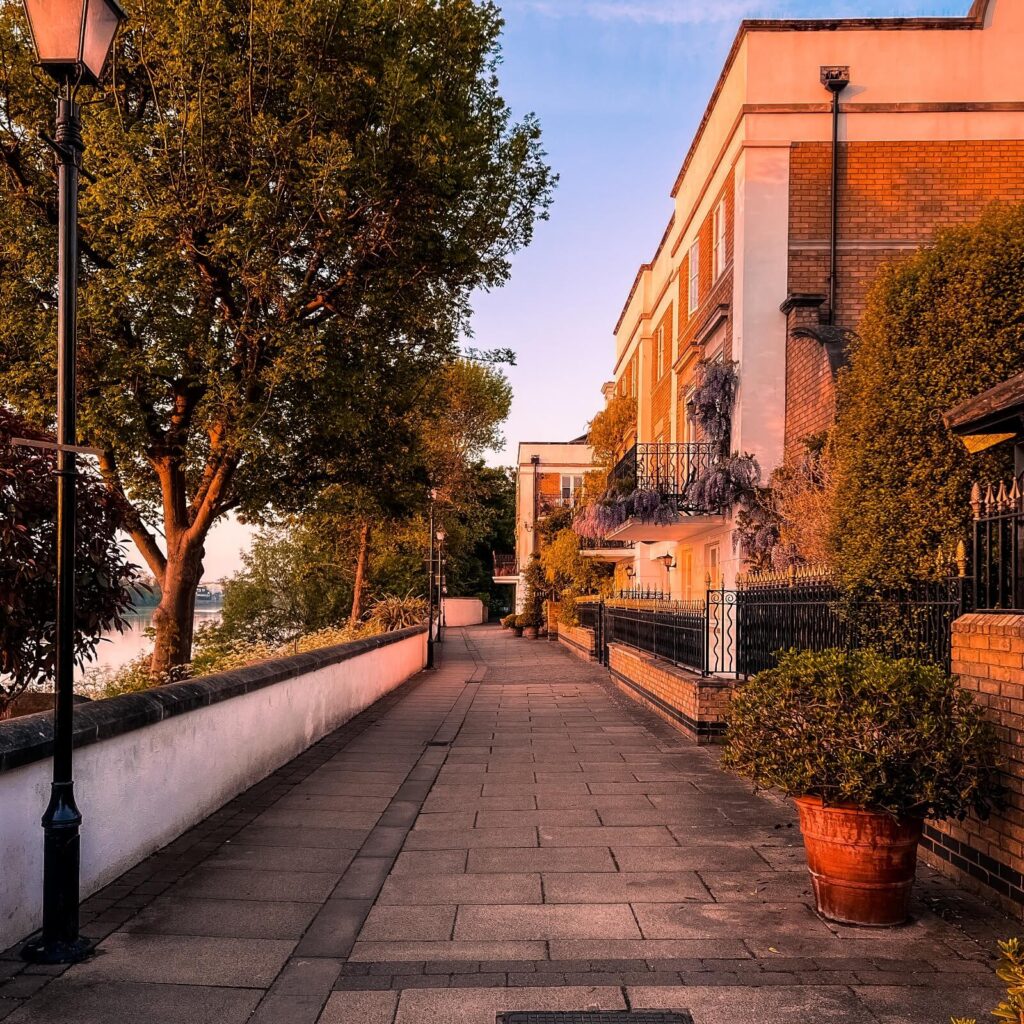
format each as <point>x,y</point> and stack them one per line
<point>530,621</point>
<point>509,621</point>
<point>869,747</point>
<point>517,625</point>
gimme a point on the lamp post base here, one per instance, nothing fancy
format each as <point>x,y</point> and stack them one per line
<point>39,951</point>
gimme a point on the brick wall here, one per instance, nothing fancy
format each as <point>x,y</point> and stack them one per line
<point>578,639</point>
<point>694,704</point>
<point>893,197</point>
<point>988,857</point>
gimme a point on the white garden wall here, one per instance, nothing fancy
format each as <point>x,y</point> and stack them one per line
<point>204,742</point>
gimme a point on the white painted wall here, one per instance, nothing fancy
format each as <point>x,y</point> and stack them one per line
<point>463,611</point>
<point>140,790</point>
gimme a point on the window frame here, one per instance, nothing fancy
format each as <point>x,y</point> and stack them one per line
<point>693,282</point>
<point>719,250</point>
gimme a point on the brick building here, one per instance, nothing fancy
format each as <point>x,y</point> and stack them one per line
<point>929,131</point>
<point>549,477</point>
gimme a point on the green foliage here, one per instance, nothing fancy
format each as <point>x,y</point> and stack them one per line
<point>528,619</point>
<point>565,569</point>
<point>295,579</point>
<point>1011,971</point>
<point>607,435</point>
<point>940,327</point>
<point>856,727</point>
<point>28,563</point>
<point>391,612</point>
<point>536,588</point>
<point>568,609</point>
<point>509,620</point>
<point>292,206</point>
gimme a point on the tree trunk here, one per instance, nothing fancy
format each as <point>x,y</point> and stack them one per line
<point>174,617</point>
<point>360,580</point>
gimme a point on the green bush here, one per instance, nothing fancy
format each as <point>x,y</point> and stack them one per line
<point>939,327</point>
<point>509,620</point>
<point>391,612</point>
<point>568,610</point>
<point>1011,971</point>
<point>528,619</point>
<point>855,727</point>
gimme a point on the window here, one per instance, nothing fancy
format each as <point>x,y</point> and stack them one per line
<point>689,426</point>
<point>694,294</point>
<point>711,565</point>
<point>720,243</point>
<point>685,560</point>
<point>632,381</point>
<point>572,488</point>
<point>659,346</point>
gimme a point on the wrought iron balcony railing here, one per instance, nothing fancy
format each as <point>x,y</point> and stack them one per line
<point>548,503</point>
<point>667,467</point>
<point>505,565</point>
<point>596,544</point>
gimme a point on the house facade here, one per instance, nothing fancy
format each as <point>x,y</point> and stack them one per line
<point>549,478</point>
<point>764,265</point>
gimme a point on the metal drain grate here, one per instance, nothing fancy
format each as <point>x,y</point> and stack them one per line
<point>595,1017</point>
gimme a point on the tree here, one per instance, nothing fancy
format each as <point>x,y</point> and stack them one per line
<point>939,327</point>
<point>28,563</point>
<point>607,435</point>
<point>292,205</point>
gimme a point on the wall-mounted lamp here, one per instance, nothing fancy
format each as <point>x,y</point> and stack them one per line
<point>668,561</point>
<point>630,572</point>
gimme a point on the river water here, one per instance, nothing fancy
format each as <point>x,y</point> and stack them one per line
<point>117,649</point>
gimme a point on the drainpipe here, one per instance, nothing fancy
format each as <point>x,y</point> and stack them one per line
<point>835,79</point>
<point>535,459</point>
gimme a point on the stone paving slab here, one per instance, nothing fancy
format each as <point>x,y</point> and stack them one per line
<point>509,832</point>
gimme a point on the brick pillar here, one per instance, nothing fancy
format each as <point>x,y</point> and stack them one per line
<point>988,856</point>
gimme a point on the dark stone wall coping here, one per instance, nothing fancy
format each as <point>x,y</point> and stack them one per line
<point>30,738</point>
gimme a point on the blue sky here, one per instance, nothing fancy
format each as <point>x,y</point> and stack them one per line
<point>619,87</point>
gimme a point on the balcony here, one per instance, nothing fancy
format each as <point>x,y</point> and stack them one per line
<point>506,569</point>
<point>548,503</point>
<point>669,469</point>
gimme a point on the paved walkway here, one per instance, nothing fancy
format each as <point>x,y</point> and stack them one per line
<point>506,833</point>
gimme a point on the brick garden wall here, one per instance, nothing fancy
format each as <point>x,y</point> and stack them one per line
<point>692,703</point>
<point>578,639</point>
<point>988,857</point>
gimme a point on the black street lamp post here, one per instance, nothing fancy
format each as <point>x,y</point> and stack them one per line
<point>430,587</point>
<point>72,40</point>
<point>442,588</point>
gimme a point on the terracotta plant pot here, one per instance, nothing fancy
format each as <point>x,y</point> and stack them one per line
<point>862,863</point>
<point>517,630</point>
<point>531,632</point>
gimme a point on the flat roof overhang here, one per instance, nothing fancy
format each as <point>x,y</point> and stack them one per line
<point>686,528</point>
<point>622,554</point>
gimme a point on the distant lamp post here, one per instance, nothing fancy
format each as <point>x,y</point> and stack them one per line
<point>72,40</point>
<point>430,585</point>
<point>442,586</point>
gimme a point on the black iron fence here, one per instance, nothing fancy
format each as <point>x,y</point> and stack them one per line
<point>669,468</point>
<point>740,632</point>
<point>998,549</point>
<point>673,630</point>
<point>814,615</point>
